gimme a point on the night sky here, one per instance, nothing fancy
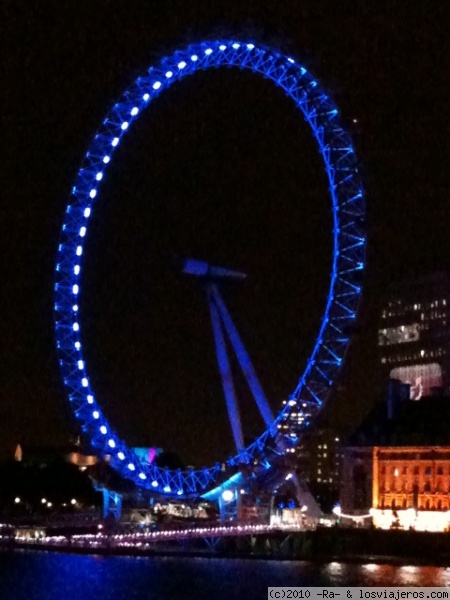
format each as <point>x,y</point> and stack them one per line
<point>221,168</point>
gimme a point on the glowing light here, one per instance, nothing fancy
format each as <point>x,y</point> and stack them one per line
<point>154,483</point>
<point>75,327</point>
<point>208,51</point>
<point>115,141</point>
<point>17,500</point>
<point>181,65</point>
<point>250,46</point>
<point>98,177</point>
<point>75,308</point>
<point>84,382</point>
<point>82,231</point>
<point>134,111</point>
<point>96,414</point>
<point>291,60</point>
<point>103,429</point>
<point>156,85</point>
<point>79,251</point>
<point>90,399</point>
<point>169,74</point>
<point>124,125</point>
<point>227,495</point>
<point>93,193</point>
<point>131,467</point>
<point>142,476</point>
<point>222,47</point>
<point>76,269</point>
<point>180,492</point>
<point>73,502</point>
<point>106,159</point>
<point>111,443</point>
<point>146,97</point>
<point>167,489</point>
<point>194,58</point>
<point>44,501</point>
<point>80,365</point>
<point>121,455</point>
<point>77,345</point>
<point>236,46</point>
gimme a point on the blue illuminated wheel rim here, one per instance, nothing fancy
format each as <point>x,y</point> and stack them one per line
<point>348,257</point>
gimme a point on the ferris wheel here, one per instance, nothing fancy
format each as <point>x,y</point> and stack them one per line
<point>313,386</point>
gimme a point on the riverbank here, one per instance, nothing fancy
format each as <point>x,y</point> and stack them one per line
<point>322,545</point>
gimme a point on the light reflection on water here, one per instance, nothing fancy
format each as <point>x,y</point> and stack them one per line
<point>52,576</point>
<point>373,574</point>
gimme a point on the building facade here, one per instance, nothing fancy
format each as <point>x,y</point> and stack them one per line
<point>396,467</point>
<point>414,335</point>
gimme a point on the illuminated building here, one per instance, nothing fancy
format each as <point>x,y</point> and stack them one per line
<point>396,466</point>
<point>414,334</point>
<point>44,455</point>
<point>317,458</point>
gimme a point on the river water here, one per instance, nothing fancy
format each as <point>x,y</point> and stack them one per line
<point>27,575</point>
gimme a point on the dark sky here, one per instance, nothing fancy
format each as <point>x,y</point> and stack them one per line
<point>221,168</point>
